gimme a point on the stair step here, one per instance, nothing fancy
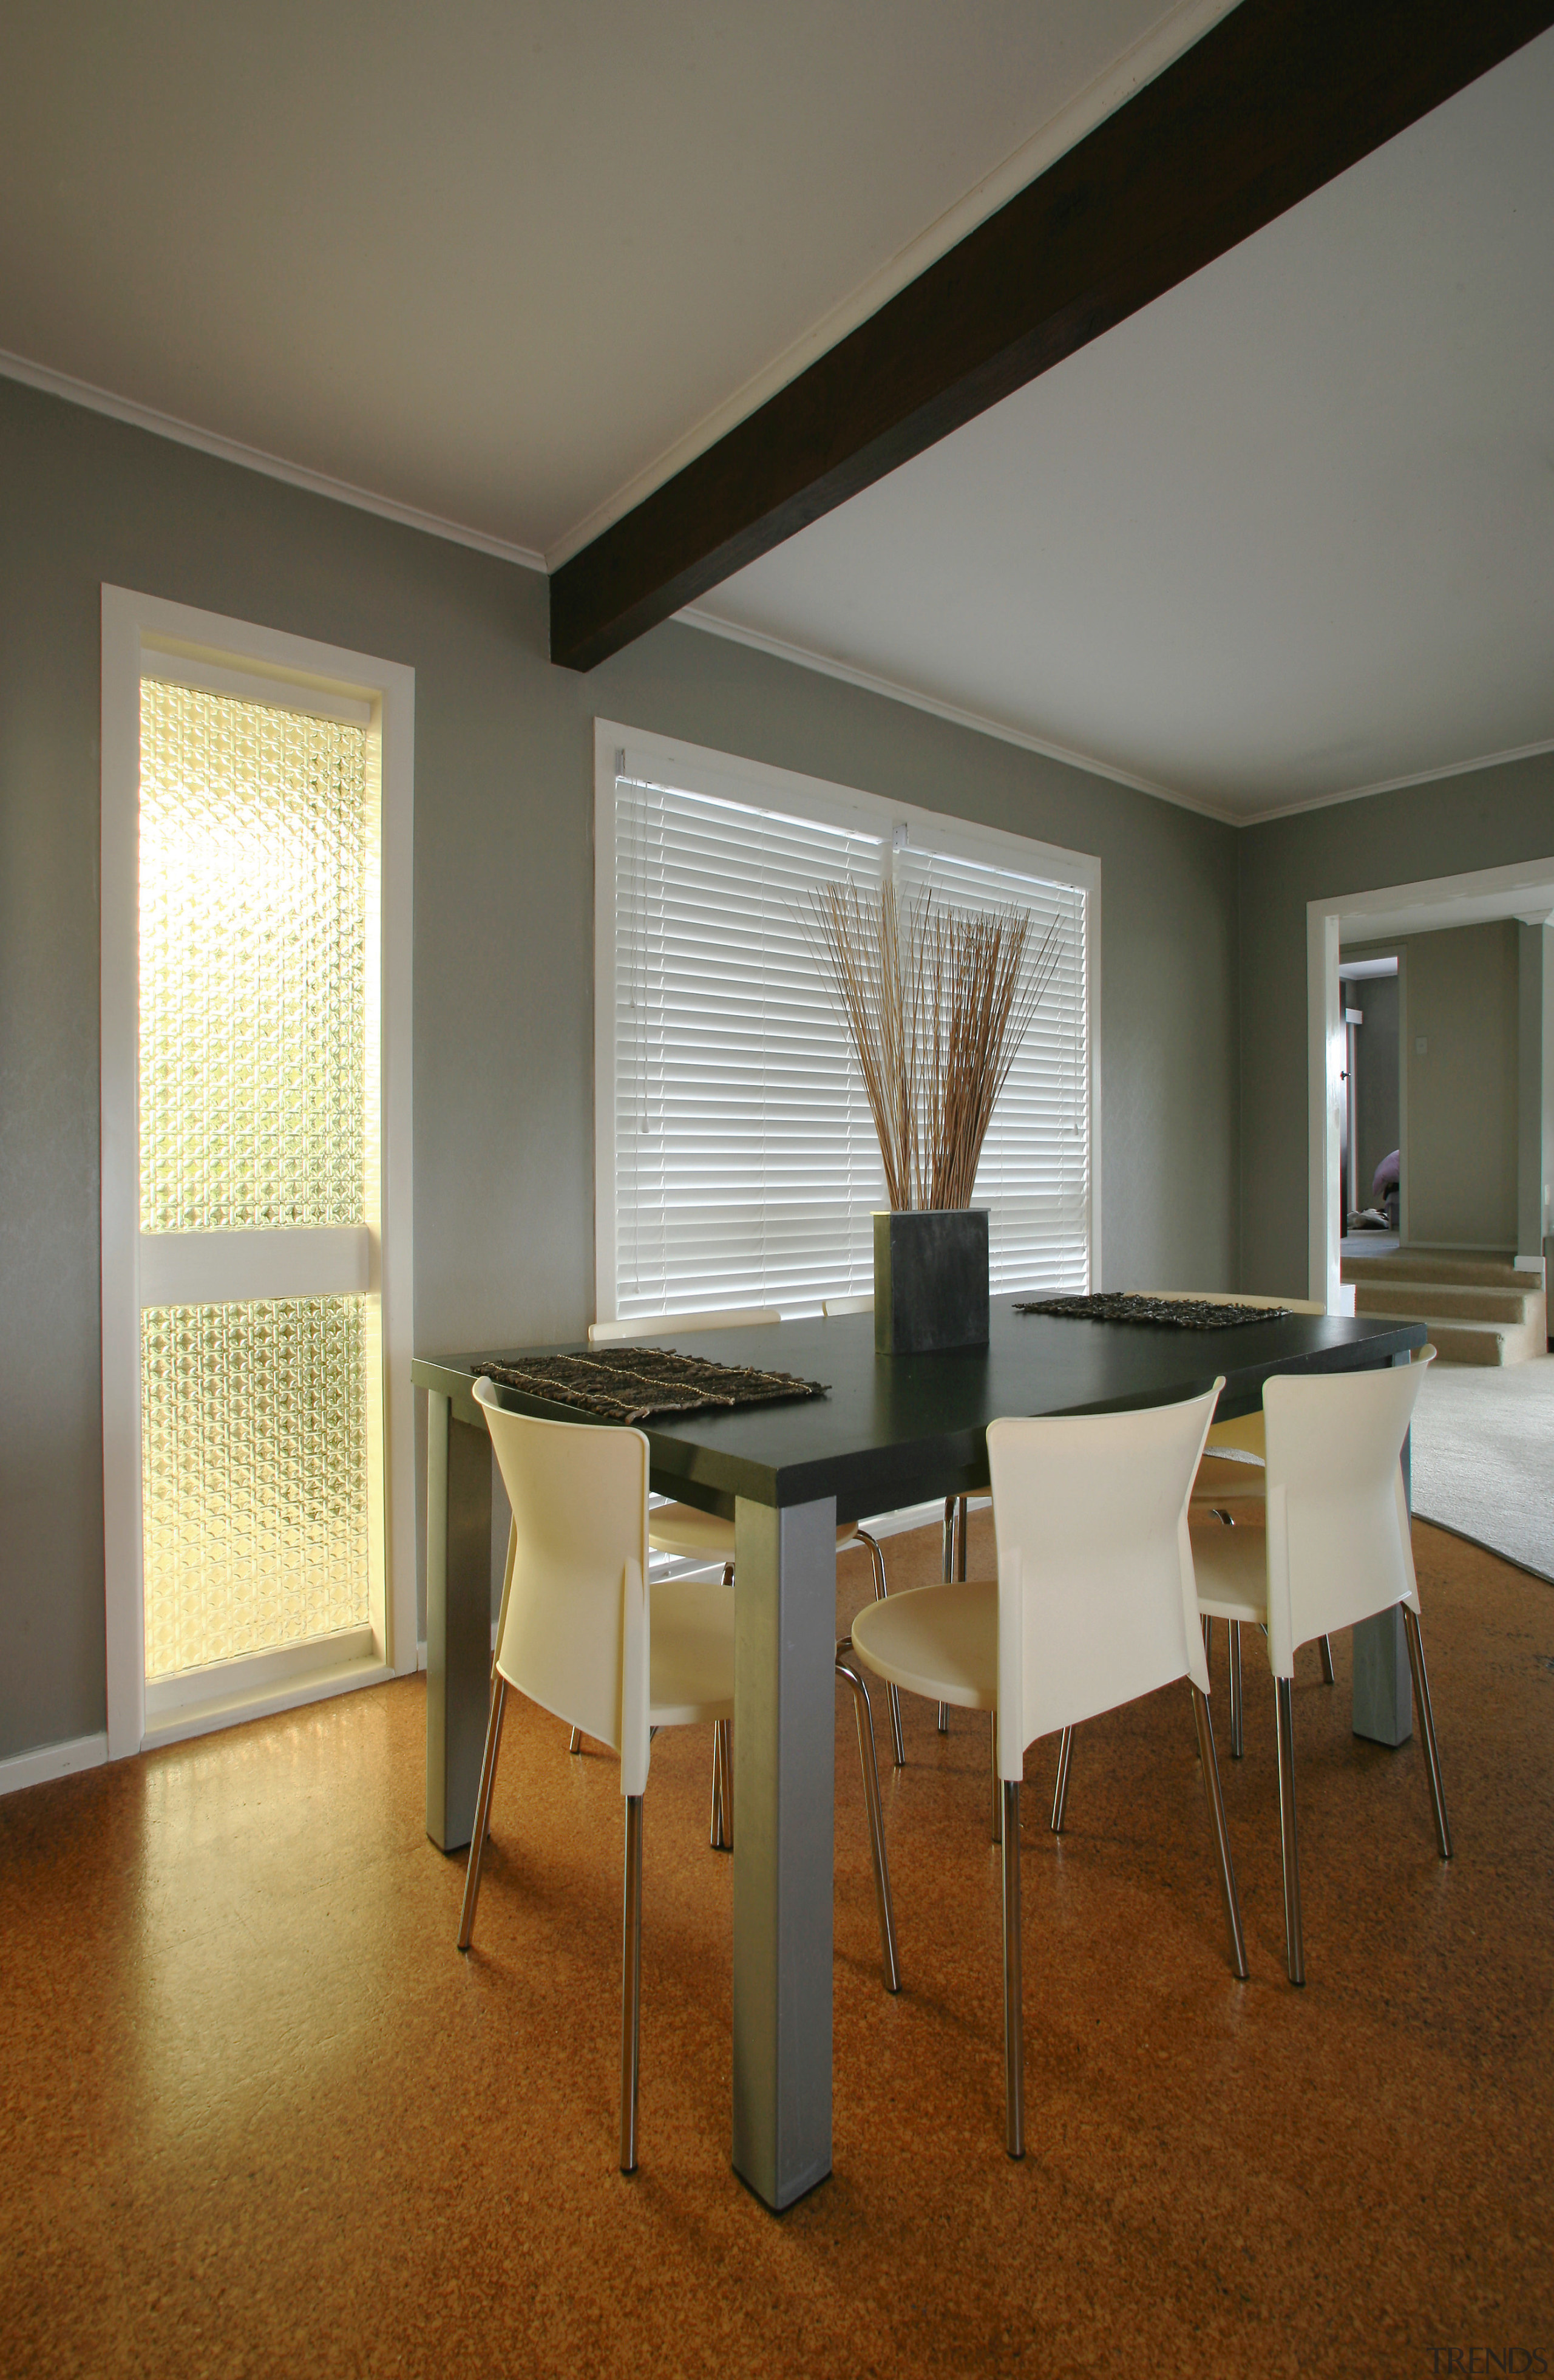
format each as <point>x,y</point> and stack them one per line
<point>1462,1301</point>
<point>1466,1268</point>
<point>1456,1341</point>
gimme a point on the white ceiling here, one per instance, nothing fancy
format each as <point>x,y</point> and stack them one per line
<point>505,262</point>
<point>1287,533</point>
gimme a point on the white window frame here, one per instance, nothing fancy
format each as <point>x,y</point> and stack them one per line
<point>697,770</point>
<point>143,635</point>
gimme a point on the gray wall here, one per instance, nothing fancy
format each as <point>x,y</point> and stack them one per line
<point>1462,988</point>
<point>1376,1071</point>
<point>1490,817</point>
<point>503,938</point>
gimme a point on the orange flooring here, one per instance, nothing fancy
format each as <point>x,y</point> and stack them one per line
<point>257,2116</point>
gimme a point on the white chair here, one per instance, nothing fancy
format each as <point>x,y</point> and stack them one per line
<point>1230,1481</point>
<point>1335,1550</point>
<point>1093,1605</point>
<point>580,1633</point>
<point>659,1325</point>
<point>684,1532</point>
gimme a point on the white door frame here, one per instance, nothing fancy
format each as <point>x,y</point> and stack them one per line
<point>137,627</point>
<point>1523,890</point>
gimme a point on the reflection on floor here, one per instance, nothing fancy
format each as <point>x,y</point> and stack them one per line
<point>257,2115</point>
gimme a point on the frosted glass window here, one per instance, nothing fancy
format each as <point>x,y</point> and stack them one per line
<point>254,1472</point>
<point>256,860</point>
<point>253,965</point>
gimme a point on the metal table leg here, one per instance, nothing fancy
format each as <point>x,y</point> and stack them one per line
<point>784,1695</point>
<point>457,1619</point>
<point>1383,1689</point>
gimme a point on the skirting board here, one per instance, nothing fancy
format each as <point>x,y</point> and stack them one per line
<point>53,1760</point>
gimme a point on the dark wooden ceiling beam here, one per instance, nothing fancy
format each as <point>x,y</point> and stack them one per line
<point>1274,100</point>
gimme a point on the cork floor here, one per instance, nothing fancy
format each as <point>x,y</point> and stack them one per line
<point>258,2117</point>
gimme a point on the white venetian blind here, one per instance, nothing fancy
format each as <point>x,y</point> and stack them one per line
<point>745,1164</point>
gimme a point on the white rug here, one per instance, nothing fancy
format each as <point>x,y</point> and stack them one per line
<point>1484,1456</point>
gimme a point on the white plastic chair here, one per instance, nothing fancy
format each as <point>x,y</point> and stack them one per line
<point>580,1633</point>
<point>1095,1603</point>
<point>687,1534</point>
<point>1230,1481</point>
<point>1335,1550</point>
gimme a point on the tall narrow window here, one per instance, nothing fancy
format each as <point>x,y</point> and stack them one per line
<point>258,1136</point>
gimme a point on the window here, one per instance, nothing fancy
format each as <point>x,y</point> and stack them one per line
<point>737,1159</point>
<point>257,1467</point>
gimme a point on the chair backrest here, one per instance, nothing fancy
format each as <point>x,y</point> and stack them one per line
<point>659,1325</point>
<point>573,1634</point>
<point>1338,1536</point>
<point>829,1305</point>
<point>1097,1599</point>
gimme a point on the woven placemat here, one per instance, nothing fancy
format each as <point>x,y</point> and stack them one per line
<point>635,1383</point>
<point>1174,1313</point>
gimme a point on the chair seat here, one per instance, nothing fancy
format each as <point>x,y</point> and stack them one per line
<point>692,1648</point>
<point>940,1641</point>
<point>1220,1479</point>
<point>707,1536</point>
<point>1231,1566</point>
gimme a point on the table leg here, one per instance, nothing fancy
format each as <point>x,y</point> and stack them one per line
<point>457,1619</point>
<point>784,1735</point>
<point>1383,1689</point>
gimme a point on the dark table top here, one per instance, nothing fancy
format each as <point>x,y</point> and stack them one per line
<point>897,1429</point>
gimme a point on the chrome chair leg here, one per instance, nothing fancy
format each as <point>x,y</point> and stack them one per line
<point>864,1716</point>
<point>1208,1626</point>
<point>948,1573</point>
<point>631,1982</point>
<point>1294,1944</point>
<point>720,1826</point>
<point>1427,1726</point>
<point>998,1781</point>
<point>577,1743</point>
<point>1014,2028</point>
<point>482,1813</point>
<point>1325,1648</point>
<point>721,1832</point>
<point>1238,1708</point>
<point>1221,1840</point>
<point>1060,1794</point>
<point>892,1692</point>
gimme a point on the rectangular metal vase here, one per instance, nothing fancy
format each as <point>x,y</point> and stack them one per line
<point>931,1280</point>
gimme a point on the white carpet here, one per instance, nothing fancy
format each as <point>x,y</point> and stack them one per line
<point>1484,1456</point>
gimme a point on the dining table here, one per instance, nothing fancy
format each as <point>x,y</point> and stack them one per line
<point>892,1432</point>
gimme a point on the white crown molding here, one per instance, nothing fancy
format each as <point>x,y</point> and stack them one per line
<point>1176,31</point>
<point>319,483</point>
<point>254,458</point>
<point>1401,784</point>
<point>981,723</point>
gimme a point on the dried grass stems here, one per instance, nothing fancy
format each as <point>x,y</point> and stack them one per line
<point>937,1002</point>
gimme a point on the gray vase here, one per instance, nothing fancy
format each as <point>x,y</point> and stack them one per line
<point>930,1279</point>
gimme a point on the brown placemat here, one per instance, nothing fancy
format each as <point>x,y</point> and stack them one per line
<point>1174,1313</point>
<point>635,1383</point>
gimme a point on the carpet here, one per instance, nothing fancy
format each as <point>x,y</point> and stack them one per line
<point>1483,1457</point>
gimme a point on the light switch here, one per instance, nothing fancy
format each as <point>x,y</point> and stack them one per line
<point>1421,1046</point>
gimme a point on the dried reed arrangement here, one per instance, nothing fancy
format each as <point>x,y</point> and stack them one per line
<point>936,1003</point>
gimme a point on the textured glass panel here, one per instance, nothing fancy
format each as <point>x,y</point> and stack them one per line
<point>253,965</point>
<point>253,1453</point>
